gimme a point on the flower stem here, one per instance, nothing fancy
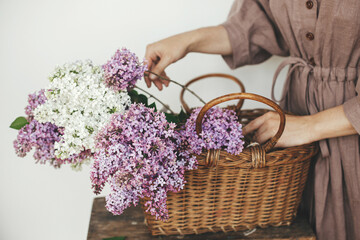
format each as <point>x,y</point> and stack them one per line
<point>165,105</point>
<point>186,88</point>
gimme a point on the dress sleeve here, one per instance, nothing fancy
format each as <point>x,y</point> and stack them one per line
<point>352,109</point>
<point>253,34</point>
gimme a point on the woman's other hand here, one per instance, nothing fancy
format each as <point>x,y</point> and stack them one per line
<point>161,54</point>
<point>297,129</point>
<point>300,130</point>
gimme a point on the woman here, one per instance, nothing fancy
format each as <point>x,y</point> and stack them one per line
<point>322,42</point>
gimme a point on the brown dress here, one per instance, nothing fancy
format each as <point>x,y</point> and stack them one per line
<point>322,42</point>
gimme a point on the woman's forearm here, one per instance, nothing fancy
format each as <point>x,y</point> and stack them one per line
<point>331,123</point>
<point>213,40</point>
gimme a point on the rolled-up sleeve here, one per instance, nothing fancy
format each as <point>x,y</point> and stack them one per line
<point>253,35</point>
<point>352,109</point>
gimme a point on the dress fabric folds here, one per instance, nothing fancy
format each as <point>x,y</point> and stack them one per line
<point>321,40</point>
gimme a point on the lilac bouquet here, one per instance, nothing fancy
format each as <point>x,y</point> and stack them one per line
<point>140,155</point>
<point>91,112</point>
<point>63,119</point>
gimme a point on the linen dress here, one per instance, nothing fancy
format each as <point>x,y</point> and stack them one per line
<point>322,42</point>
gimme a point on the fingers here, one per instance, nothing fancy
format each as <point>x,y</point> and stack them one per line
<point>254,124</point>
<point>265,127</point>
<point>263,134</point>
<point>156,64</point>
<point>150,56</point>
<point>158,84</point>
<point>159,67</point>
<point>147,81</point>
<point>164,81</point>
<point>160,81</point>
<point>151,59</point>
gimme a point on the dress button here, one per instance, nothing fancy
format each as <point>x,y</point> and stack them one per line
<point>310,36</point>
<point>309,4</point>
<point>312,62</point>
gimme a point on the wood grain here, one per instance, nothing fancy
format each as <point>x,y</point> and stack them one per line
<point>131,225</point>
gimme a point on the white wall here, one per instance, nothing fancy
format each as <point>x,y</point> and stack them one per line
<point>36,201</point>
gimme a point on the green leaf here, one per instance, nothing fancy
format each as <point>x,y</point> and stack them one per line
<point>171,118</point>
<point>143,99</point>
<point>133,93</point>
<point>135,99</point>
<point>182,116</point>
<point>134,96</point>
<point>153,105</point>
<point>115,238</point>
<point>19,123</point>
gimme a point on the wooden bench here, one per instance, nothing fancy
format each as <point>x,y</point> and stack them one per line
<point>131,225</point>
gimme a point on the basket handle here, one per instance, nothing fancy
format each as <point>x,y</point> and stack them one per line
<point>269,144</point>
<point>236,80</point>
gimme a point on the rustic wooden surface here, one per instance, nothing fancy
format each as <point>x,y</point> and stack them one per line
<point>131,225</point>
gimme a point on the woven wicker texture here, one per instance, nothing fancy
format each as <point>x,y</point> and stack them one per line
<point>259,187</point>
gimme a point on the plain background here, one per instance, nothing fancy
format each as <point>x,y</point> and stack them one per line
<point>37,201</point>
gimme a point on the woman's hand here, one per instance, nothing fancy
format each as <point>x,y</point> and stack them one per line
<point>161,54</point>
<point>300,130</point>
<point>297,129</point>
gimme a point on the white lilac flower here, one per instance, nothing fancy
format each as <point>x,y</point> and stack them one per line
<point>79,101</point>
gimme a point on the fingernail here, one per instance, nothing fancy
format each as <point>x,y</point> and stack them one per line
<point>152,76</point>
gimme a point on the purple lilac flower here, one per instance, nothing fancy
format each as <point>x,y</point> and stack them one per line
<point>140,156</point>
<point>42,136</point>
<point>123,70</point>
<point>34,100</point>
<point>220,130</point>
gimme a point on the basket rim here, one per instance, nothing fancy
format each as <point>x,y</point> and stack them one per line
<point>273,158</point>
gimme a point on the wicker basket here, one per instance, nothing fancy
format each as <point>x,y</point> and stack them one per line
<point>261,186</point>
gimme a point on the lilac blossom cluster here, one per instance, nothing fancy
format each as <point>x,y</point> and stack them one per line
<point>34,100</point>
<point>123,70</point>
<point>79,101</point>
<point>142,156</point>
<point>220,130</point>
<point>42,137</point>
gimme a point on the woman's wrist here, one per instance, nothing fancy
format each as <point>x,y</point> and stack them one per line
<point>314,128</point>
<point>330,123</point>
<point>213,40</point>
